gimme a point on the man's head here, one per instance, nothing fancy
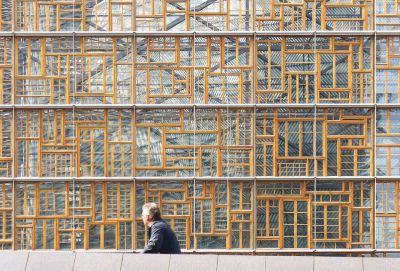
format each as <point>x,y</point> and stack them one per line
<point>150,213</point>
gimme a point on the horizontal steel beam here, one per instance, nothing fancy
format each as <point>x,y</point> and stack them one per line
<point>162,179</point>
<point>192,33</point>
<point>189,106</point>
<point>307,251</point>
<point>288,251</point>
<point>257,251</point>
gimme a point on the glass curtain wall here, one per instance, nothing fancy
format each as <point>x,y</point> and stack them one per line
<point>256,125</point>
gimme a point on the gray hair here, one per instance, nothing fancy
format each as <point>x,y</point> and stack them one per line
<point>153,210</point>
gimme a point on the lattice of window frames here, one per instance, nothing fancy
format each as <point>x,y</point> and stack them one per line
<point>106,219</point>
<point>387,142</point>
<point>105,15</point>
<point>164,70</point>
<point>164,142</point>
<point>283,215</point>
<point>82,15</point>
<point>200,15</point>
<point>6,215</point>
<point>105,142</point>
<point>169,143</point>
<point>311,15</point>
<point>387,69</point>
<point>79,215</point>
<point>175,201</point>
<point>103,71</point>
<point>287,67</point>
<point>223,70</point>
<point>344,142</point>
<point>6,131</point>
<point>222,15</point>
<point>66,70</point>
<point>387,14</point>
<point>301,215</point>
<point>284,142</point>
<point>387,214</point>
<point>273,15</point>
<point>225,139</point>
<point>223,215</point>
<point>344,70</point>
<point>6,47</point>
<point>6,19</point>
<point>343,15</point>
<point>343,214</point>
<point>47,15</point>
<point>163,15</point>
<point>285,70</point>
<point>208,137</point>
<point>204,215</point>
<point>58,143</point>
<point>44,73</point>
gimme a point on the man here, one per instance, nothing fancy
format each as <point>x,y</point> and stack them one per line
<point>162,238</point>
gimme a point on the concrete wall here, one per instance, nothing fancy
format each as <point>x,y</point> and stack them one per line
<point>103,261</point>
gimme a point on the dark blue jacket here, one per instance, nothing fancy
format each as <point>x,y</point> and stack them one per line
<point>162,239</point>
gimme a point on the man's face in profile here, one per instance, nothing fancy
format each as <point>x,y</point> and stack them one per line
<point>146,218</point>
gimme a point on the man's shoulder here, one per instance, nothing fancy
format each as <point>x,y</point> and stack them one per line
<point>160,224</point>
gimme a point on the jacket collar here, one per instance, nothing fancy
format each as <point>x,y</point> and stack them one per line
<point>155,222</point>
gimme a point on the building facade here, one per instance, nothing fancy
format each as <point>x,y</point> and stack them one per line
<point>257,125</point>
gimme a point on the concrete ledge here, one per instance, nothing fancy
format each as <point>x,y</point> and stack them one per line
<point>145,262</point>
<point>13,260</point>
<point>187,262</point>
<point>289,263</point>
<point>381,264</point>
<point>375,264</point>
<point>333,264</point>
<point>239,262</point>
<point>86,261</point>
<point>49,261</point>
<point>125,261</point>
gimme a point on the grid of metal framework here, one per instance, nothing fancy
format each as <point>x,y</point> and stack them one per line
<point>257,125</point>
